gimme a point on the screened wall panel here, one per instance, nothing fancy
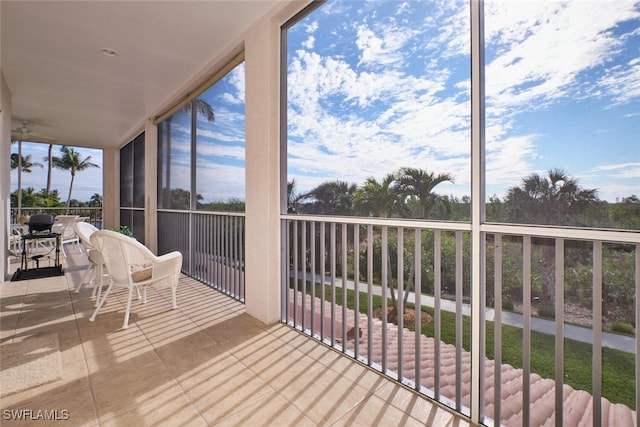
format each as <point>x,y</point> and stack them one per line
<point>132,159</point>
<point>126,175</point>
<point>201,167</point>
<point>138,172</point>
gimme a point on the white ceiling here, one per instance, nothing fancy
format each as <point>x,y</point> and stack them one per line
<point>70,91</point>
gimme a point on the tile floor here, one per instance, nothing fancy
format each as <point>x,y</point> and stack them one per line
<point>207,363</point>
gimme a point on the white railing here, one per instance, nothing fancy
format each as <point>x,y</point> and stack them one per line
<point>524,268</point>
<point>93,215</point>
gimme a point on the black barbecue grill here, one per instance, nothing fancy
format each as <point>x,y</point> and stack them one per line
<point>32,244</point>
<point>40,223</point>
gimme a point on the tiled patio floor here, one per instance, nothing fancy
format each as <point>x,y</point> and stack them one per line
<point>207,363</point>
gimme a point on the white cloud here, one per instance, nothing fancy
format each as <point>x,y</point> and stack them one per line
<point>623,170</point>
<point>403,8</point>
<point>541,48</point>
<point>309,43</point>
<point>229,151</point>
<point>311,27</point>
<point>375,49</point>
<point>219,182</point>
<point>622,83</point>
<point>449,28</point>
<point>508,160</point>
<point>236,78</point>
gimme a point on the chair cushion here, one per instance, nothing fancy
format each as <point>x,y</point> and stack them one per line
<point>95,256</point>
<point>140,274</point>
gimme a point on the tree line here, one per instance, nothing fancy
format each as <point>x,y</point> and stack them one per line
<point>552,199</point>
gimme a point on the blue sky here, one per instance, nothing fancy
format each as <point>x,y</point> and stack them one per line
<point>377,85</point>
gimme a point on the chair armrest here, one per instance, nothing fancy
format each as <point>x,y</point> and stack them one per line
<point>166,265</point>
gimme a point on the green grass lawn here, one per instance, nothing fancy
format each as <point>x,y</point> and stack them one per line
<point>618,367</point>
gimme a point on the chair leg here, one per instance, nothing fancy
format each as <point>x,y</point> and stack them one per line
<point>100,282</point>
<point>128,311</point>
<point>174,299</point>
<point>101,299</point>
<point>90,270</point>
<point>94,281</point>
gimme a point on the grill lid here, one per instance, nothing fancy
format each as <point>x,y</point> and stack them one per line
<point>40,222</point>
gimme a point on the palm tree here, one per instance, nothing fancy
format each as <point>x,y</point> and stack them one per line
<point>25,163</point>
<point>416,187</point>
<point>332,198</point>
<point>378,199</point>
<point>19,167</point>
<point>96,200</point>
<point>49,167</point>
<point>202,108</point>
<point>293,198</point>
<point>72,161</point>
<point>555,199</point>
<point>28,197</point>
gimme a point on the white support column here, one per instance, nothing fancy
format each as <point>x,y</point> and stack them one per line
<point>150,186</point>
<point>478,217</point>
<point>262,258</point>
<point>111,186</point>
<point>5,175</point>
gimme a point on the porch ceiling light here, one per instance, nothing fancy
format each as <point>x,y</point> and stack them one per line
<point>109,52</point>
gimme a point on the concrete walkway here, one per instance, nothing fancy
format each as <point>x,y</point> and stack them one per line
<point>574,332</point>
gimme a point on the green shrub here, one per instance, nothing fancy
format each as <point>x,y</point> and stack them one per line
<point>623,328</point>
<point>547,310</point>
<point>123,230</point>
<point>507,304</point>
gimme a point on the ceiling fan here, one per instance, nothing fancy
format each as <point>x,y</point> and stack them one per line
<point>23,133</point>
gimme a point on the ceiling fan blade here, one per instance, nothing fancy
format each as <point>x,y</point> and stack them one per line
<point>38,137</point>
<point>32,137</point>
<point>23,133</point>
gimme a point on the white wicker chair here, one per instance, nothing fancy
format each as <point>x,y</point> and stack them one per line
<point>94,274</point>
<point>15,239</point>
<point>131,265</point>
<point>64,226</point>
